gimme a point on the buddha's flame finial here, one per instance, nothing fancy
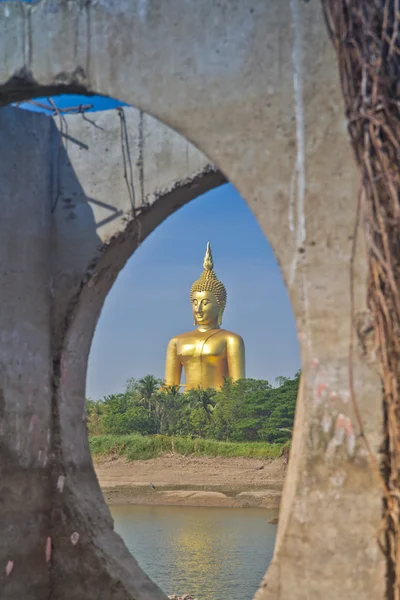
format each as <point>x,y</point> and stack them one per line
<point>208,260</point>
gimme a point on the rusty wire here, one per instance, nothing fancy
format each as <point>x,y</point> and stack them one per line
<point>62,124</point>
<point>365,34</point>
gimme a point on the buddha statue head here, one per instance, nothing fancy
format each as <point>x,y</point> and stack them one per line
<point>208,296</point>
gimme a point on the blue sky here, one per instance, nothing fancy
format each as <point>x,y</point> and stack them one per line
<point>149,302</point>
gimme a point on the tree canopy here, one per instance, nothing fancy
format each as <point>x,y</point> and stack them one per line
<point>241,411</point>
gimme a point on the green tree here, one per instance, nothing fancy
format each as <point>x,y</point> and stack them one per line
<point>244,410</point>
<point>279,426</point>
<point>202,398</point>
<point>240,409</point>
<point>94,417</point>
<point>122,416</point>
<point>147,388</point>
<point>169,405</point>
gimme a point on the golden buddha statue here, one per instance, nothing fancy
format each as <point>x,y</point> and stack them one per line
<point>207,354</point>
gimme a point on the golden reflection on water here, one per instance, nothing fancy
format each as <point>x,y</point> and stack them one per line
<point>197,550</point>
<point>211,553</point>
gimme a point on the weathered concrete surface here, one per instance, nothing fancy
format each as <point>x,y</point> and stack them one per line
<point>254,85</point>
<point>110,167</point>
<point>25,357</point>
<point>58,240</point>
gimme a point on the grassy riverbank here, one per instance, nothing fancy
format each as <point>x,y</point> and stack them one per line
<point>137,447</point>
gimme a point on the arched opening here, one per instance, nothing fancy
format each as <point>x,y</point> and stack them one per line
<point>165,202</point>
<point>148,304</point>
<point>166,264</point>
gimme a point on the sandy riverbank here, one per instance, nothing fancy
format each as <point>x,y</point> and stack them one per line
<point>192,481</point>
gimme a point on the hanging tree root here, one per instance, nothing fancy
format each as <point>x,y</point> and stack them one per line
<point>366,37</point>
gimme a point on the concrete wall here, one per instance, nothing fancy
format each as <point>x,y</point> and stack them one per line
<point>108,168</point>
<point>25,355</point>
<point>68,226</point>
<point>254,86</point>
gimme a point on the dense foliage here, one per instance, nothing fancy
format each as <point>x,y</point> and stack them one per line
<point>136,447</point>
<point>248,410</point>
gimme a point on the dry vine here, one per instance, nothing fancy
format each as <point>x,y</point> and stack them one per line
<point>366,37</point>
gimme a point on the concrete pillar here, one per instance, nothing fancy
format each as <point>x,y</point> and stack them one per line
<point>26,384</point>
<point>59,255</point>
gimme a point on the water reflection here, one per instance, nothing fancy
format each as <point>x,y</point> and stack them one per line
<point>211,553</point>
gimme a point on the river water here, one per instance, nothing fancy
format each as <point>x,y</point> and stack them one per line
<point>210,553</point>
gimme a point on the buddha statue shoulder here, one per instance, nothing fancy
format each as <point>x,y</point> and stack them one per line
<point>207,354</point>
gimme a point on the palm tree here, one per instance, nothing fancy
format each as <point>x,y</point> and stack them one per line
<point>166,401</point>
<point>201,397</point>
<point>171,392</point>
<point>280,380</point>
<point>147,388</point>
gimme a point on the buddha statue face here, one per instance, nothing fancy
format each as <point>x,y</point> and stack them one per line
<point>208,295</point>
<point>206,310</point>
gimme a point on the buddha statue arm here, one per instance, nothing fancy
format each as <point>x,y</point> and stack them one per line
<point>173,366</point>
<point>236,357</point>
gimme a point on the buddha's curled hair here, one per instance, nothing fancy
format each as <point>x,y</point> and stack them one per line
<point>208,281</point>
